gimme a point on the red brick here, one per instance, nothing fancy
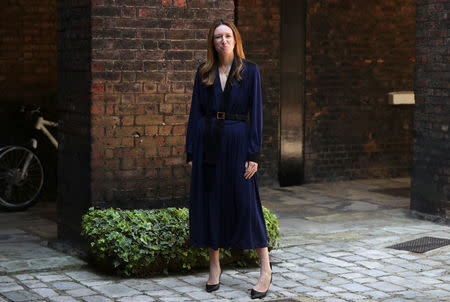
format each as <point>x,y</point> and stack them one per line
<point>178,88</point>
<point>98,131</point>
<point>152,141</point>
<point>128,12</point>
<point>147,12</point>
<point>97,66</point>
<point>151,151</point>
<point>104,142</point>
<point>105,121</point>
<point>127,142</point>
<point>130,109</point>
<point>98,87</point>
<point>128,152</point>
<point>166,108</point>
<point>109,109</point>
<point>179,3</point>
<point>109,153</point>
<point>164,151</point>
<point>166,3</point>
<point>127,131</point>
<point>151,130</point>
<point>129,174</point>
<point>127,120</point>
<point>175,140</point>
<point>165,130</point>
<point>163,87</point>
<point>98,108</point>
<point>112,99</point>
<point>177,98</point>
<point>150,173</point>
<point>150,98</point>
<point>175,119</point>
<point>128,163</point>
<point>97,154</point>
<point>148,119</point>
<point>179,109</point>
<point>150,87</point>
<point>179,130</point>
<point>178,150</point>
<point>171,161</point>
<point>166,172</point>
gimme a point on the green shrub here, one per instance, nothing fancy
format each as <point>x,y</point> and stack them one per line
<point>141,242</point>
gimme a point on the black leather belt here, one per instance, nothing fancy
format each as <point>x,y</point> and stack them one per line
<point>228,116</point>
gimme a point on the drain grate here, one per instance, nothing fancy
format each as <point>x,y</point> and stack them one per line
<point>421,245</point>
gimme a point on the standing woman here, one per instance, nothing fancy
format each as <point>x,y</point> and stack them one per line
<point>223,143</point>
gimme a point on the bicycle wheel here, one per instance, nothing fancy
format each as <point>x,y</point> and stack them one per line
<point>21,178</point>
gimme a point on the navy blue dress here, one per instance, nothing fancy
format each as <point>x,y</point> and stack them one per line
<point>230,215</point>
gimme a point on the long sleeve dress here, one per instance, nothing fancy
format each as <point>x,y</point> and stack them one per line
<point>230,214</point>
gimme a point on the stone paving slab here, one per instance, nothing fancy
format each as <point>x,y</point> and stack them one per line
<point>333,248</point>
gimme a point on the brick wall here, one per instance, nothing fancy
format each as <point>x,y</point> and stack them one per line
<point>259,24</point>
<point>144,57</point>
<point>28,54</point>
<point>28,72</point>
<point>431,161</point>
<point>357,52</point>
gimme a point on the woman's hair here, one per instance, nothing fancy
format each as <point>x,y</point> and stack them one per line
<point>208,72</point>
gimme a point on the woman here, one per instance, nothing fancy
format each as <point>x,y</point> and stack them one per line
<point>223,142</point>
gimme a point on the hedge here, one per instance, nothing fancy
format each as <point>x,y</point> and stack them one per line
<point>145,242</point>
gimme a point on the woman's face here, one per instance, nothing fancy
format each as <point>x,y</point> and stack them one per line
<point>224,40</point>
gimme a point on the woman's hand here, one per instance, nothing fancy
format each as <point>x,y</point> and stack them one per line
<point>250,169</point>
<point>190,163</point>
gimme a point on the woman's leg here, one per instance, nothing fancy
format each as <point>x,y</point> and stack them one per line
<point>265,272</point>
<point>214,266</point>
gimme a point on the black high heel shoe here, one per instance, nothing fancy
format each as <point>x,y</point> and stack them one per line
<point>213,287</point>
<point>254,294</point>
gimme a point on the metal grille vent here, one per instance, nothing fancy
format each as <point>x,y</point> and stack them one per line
<point>421,245</point>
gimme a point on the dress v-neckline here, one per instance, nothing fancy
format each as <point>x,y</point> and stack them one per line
<point>222,91</point>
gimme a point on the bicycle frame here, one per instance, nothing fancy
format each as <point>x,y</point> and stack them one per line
<point>25,166</point>
<point>40,125</point>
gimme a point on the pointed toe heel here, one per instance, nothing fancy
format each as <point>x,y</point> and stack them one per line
<point>213,287</point>
<point>254,294</point>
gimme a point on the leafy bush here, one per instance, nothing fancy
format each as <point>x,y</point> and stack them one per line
<point>141,242</point>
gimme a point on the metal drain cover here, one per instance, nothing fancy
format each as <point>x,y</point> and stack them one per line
<point>421,245</point>
<point>286,300</point>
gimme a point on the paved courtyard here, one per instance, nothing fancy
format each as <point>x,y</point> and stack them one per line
<point>333,248</point>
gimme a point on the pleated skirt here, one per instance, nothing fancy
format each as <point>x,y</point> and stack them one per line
<point>230,216</point>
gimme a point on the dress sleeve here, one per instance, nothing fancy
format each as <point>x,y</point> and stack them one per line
<point>255,127</point>
<point>194,115</point>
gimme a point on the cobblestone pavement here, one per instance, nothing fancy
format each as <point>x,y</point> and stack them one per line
<point>334,248</point>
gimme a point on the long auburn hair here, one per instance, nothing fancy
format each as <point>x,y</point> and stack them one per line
<point>208,72</point>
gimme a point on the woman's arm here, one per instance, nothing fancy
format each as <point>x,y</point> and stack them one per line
<point>194,115</point>
<point>255,126</point>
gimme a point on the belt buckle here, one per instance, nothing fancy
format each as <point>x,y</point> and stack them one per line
<point>220,115</point>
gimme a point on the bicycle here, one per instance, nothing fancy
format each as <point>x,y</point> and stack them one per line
<point>21,171</point>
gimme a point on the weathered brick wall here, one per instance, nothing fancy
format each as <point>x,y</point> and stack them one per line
<point>144,57</point>
<point>259,24</point>
<point>74,85</point>
<point>28,54</point>
<point>357,52</point>
<point>28,76</point>
<point>431,161</point>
